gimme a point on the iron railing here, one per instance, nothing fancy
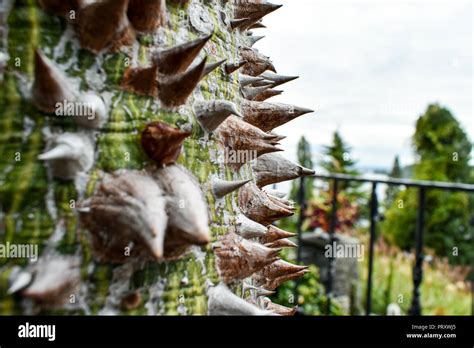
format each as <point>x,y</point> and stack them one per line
<point>422,186</point>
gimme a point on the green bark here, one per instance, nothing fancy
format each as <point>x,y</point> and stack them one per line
<point>28,197</point>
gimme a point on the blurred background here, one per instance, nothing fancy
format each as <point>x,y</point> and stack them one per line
<point>391,86</point>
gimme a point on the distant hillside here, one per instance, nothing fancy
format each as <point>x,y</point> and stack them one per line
<point>407,172</point>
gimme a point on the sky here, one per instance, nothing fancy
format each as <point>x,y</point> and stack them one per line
<point>369,69</point>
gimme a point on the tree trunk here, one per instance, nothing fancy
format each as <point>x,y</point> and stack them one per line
<point>38,209</point>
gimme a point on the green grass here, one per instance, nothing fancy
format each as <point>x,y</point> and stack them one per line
<point>443,290</point>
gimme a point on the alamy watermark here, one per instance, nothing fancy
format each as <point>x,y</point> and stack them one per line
<point>67,108</point>
<point>345,251</point>
<point>230,156</point>
<point>19,251</point>
<point>37,331</point>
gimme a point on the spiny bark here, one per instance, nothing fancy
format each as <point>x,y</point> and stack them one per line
<point>149,167</point>
<point>38,209</point>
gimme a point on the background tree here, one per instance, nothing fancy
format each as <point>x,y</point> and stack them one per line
<point>337,157</point>
<point>304,159</point>
<point>442,151</point>
<point>392,191</point>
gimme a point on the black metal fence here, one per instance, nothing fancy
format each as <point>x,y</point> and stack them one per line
<point>422,186</point>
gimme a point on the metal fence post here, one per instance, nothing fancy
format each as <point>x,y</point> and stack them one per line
<point>332,239</point>
<point>415,308</point>
<point>373,226</point>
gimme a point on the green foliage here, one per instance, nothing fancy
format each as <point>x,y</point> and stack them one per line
<point>396,170</point>
<point>311,298</point>
<point>351,200</point>
<point>304,159</point>
<point>304,153</point>
<point>337,157</point>
<point>400,219</point>
<point>392,191</point>
<point>446,224</point>
<point>442,147</point>
<point>441,292</point>
<point>443,152</point>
